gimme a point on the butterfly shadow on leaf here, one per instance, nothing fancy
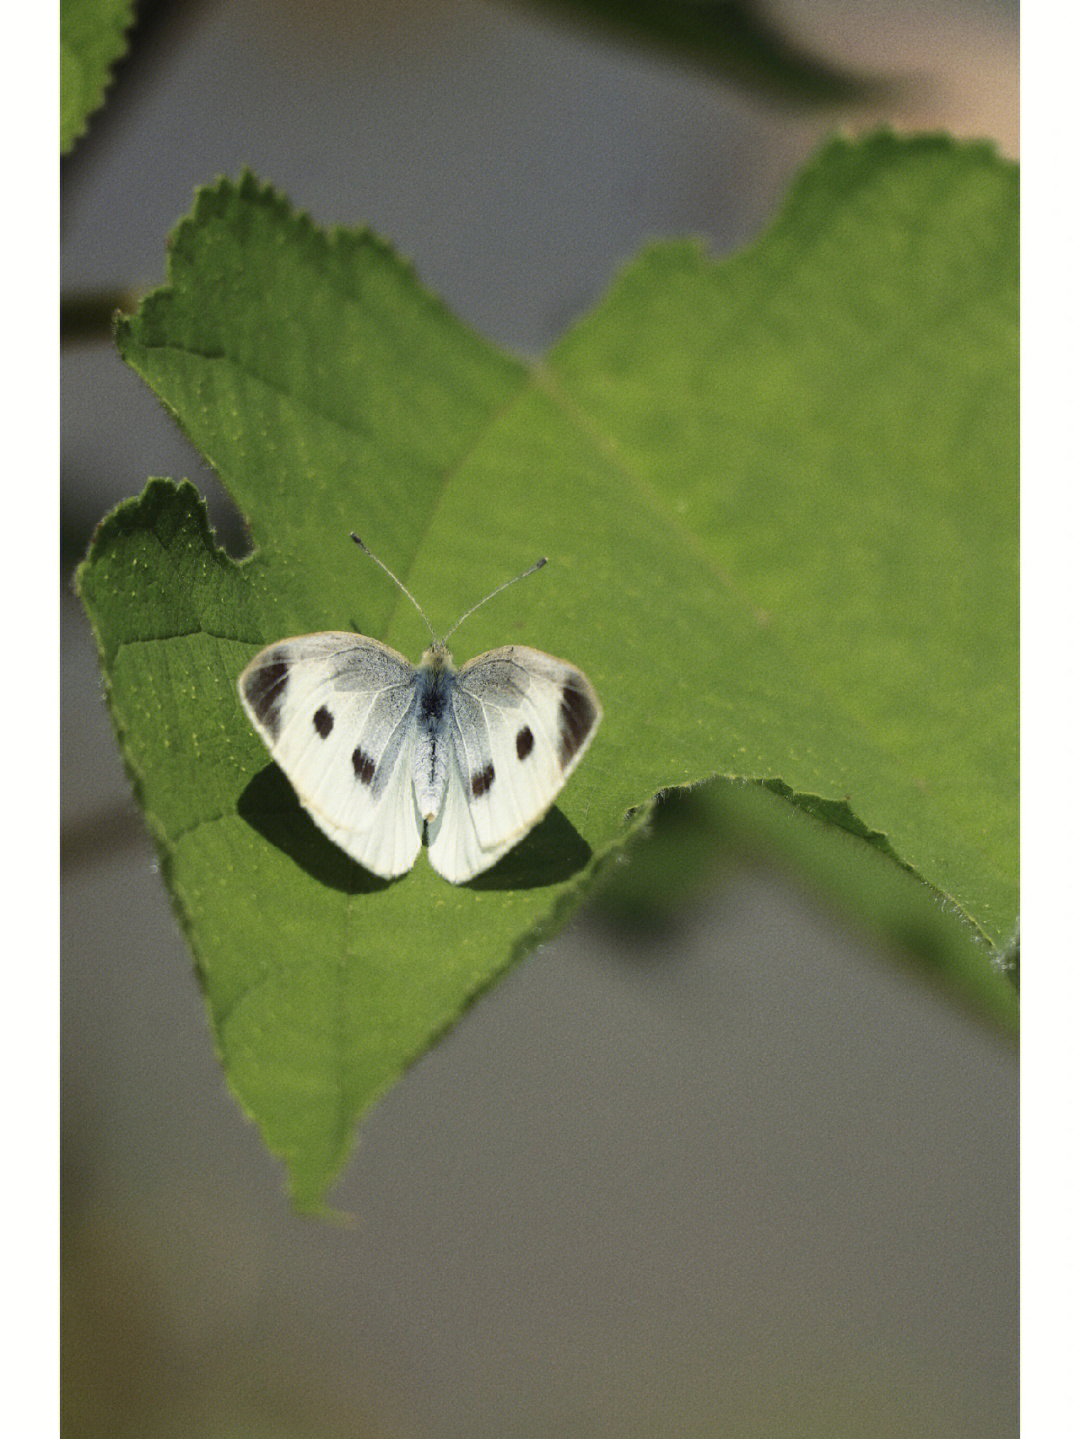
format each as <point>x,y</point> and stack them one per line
<point>549,854</point>
<point>270,807</point>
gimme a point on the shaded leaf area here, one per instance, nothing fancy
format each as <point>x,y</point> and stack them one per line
<point>694,835</point>
<point>778,499</point>
<point>93,36</point>
<point>736,40</point>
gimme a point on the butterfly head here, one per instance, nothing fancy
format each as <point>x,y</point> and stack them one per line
<point>437,658</point>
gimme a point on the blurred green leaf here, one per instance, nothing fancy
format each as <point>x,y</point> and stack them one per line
<point>778,495</point>
<point>93,36</point>
<point>694,834</point>
<point>736,40</point>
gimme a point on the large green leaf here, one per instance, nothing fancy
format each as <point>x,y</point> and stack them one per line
<point>93,36</point>
<point>778,495</point>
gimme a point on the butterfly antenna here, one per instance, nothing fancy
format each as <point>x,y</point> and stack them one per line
<point>505,585</point>
<point>396,581</point>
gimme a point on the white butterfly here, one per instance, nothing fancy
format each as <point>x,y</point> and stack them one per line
<point>383,753</point>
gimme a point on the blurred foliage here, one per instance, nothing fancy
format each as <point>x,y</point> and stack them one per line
<point>735,40</point>
<point>693,835</point>
<point>147,1357</point>
<point>88,316</point>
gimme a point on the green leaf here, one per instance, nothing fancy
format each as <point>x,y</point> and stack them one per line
<point>735,40</point>
<point>93,36</point>
<point>778,496</point>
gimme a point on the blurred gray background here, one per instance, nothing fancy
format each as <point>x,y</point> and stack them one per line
<point>747,1176</point>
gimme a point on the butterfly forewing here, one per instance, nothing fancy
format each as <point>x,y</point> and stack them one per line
<point>336,712</point>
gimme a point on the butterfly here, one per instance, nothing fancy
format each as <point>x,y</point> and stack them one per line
<point>386,755</point>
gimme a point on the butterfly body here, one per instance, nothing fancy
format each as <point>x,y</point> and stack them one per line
<point>431,760</point>
<point>386,755</point>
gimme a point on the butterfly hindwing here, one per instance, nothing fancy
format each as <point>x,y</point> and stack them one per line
<point>337,713</point>
<point>518,723</point>
<point>454,847</point>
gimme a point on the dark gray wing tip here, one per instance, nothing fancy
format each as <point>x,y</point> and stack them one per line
<point>263,685</point>
<point>578,716</point>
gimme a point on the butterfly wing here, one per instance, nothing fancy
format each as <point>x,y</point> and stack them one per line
<point>336,711</point>
<point>518,722</point>
<point>454,847</point>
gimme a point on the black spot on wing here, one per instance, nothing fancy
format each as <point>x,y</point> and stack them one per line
<point>483,779</point>
<point>324,721</point>
<point>265,690</point>
<point>577,715</point>
<point>524,742</point>
<point>363,766</point>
